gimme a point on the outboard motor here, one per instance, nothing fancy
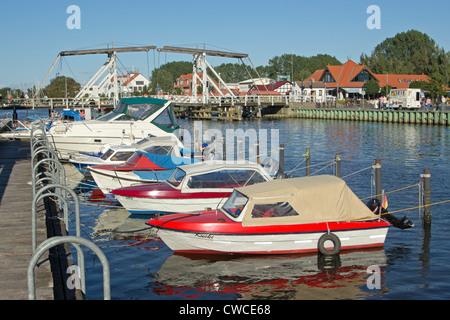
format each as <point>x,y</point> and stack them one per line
<point>375,204</point>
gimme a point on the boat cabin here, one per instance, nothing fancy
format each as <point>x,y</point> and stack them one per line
<point>157,111</point>
<point>217,175</point>
<point>303,200</point>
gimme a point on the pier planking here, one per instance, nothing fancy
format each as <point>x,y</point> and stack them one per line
<point>15,226</point>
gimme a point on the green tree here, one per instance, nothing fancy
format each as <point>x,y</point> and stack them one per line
<point>166,75</point>
<point>301,66</point>
<point>58,85</point>
<point>371,87</point>
<point>432,88</point>
<point>232,72</point>
<point>411,52</point>
<point>385,90</point>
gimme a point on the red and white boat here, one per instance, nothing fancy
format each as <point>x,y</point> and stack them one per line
<point>115,156</point>
<point>296,215</point>
<point>191,187</point>
<point>147,167</point>
<point>140,168</point>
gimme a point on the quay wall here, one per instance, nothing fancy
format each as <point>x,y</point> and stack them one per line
<point>440,118</point>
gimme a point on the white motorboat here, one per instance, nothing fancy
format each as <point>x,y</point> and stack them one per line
<point>118,154</point>
<point>297,215</point>
<point>132,118</point>
<point>141,168</point>
<point>191,187</point>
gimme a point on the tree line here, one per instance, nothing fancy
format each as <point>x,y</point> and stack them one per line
<point>411,52</point>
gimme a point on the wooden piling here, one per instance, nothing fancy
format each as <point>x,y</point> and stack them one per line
<point>338,159</point>
<point>377,167</point>
<point>308,162</point>
<point>240,151</point>
<point>440,118</point>
<point>281,170</point>
<point>258,160</point>
<point>426,176</point>
<point>224,149</point>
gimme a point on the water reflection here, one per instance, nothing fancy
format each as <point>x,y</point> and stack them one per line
<point>272,277</point>
<point>411,261</point>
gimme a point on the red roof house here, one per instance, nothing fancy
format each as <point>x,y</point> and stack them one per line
<point>351,77</point>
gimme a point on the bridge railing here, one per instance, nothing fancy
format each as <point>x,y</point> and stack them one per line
<point>58,103</point>
<point>246,99</point>
<point>61,103</point>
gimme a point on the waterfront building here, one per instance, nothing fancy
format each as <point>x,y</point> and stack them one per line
<point>348,79</point>
<point>133,82</point>
<point>183,84</point>
<point>246,85</point>
<point>128,84</point>
<point>277,88</point>
<point>309,91</point>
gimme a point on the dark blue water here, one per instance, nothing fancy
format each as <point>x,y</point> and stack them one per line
<point>413,263</point>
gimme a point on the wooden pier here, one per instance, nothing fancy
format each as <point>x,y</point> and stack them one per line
<point>230,108</point>
<point>15,226</point>
<point>440,118</point>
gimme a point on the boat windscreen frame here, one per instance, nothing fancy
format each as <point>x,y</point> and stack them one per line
<point>238,214</point>
<point>145,108</point>
<point>179,183</point>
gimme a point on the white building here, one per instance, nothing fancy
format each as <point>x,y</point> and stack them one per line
<point>132,82</point>
<point>244,86</point>
<point>129,84</point>
<point>309,91</point>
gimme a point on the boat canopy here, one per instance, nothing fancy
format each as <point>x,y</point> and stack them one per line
<point>72,114</point>
<point>216,174</point>
<point>296,201</point>
<point>158,111</point>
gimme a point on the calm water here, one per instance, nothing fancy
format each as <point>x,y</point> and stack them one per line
<point>413,263</point>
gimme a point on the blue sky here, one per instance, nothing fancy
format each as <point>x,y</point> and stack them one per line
<point>35,31</point>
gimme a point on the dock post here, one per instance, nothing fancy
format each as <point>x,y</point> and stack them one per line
<point>224,148</point>
<point>281,169</point>
<point>338,159</point>
<point>426,176</point>
<point>240,152</point>
<point>258,160</point>
<point>377,167</point>
<point>197,146</point>
<point>308,162</point>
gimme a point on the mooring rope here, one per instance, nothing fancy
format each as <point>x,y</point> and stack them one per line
<point>420,206</point>
<point>400,189</point>
<point>355,172</point>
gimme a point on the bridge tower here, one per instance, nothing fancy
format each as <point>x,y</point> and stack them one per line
<point>200,69</point>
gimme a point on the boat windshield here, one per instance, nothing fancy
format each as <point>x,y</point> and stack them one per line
<point>122,155</point>
<point>163,150</point>
<point>176,177</point>
<point>134,159</point>
<point>107,154</point>
<point>127,112</point>
<point>227,178</point>
<point>235,204</point>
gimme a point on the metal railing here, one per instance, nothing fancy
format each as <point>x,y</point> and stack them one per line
<point>59,103</point>
<point>76,242</point>
<point>49,180</point>
<point>247,99</point>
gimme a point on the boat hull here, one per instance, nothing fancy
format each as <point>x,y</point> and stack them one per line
<point>289,242</point>
<point>149,206</point>
<point>108,180</point>
<point>65,145</point>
